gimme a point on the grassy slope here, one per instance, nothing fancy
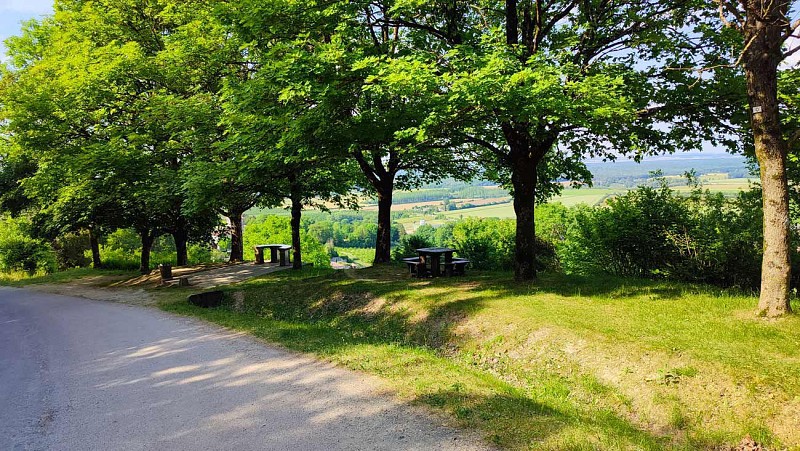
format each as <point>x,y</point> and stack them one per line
<point>567,363</point>
<point>21,278</point>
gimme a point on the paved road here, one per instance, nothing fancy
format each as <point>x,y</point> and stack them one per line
<point>77,374</point>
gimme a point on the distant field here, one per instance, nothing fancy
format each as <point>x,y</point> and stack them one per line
<point>569,197</point>
<point>505,210</point>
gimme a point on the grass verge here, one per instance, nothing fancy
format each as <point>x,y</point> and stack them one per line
<point>565,363</point>
<point>23,278</point>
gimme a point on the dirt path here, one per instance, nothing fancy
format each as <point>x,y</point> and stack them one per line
<point>133,291</point>
<point>81,374</point>
<point>231,274</point>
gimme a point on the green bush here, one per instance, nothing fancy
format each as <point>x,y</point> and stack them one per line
<point>409,244</point>
<point>490,244</point>
<point>20,252</point>
<point>73,251</point>
<point>123,250</point>
<point>655,232</point>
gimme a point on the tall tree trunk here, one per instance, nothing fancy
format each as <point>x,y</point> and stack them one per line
<point>147,237</point>
<point>94,243</point>
<point>523,179</point>
<point>297,211</point>
<point>763,35</point>
<point>524,157</point>
<point>181,238</point>
<point>237,236</point>
<point>383,242</point>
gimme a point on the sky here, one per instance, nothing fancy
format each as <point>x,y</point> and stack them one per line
<point>14,12</point>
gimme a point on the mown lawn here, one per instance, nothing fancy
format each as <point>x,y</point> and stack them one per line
<point>565,363</point>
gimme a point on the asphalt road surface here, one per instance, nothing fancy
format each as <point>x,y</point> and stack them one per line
<point>77,374</point>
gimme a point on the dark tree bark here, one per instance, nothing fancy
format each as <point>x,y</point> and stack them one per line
<point>181,238</point>
<point>523,179</point>
<point>381,178</point>
<point>297,211</point>
<point>148,237</point>
<point>94,243</point>
<point>383,243</point>
<point>237,236</point>
<point>524,157</point>
<point>763,32</point>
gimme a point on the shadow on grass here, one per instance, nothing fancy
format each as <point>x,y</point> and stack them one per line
<point>355,316</point>
<point>600,285</point>
<point>534,422</point>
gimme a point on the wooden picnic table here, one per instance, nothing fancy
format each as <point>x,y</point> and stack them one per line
<point>273,256</point>
<point>434,255</point>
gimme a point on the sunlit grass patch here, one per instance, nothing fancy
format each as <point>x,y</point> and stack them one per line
<point>563,363</point>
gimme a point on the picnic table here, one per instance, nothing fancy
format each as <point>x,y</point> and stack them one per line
<point>274,249</point>
<point>434,255</point>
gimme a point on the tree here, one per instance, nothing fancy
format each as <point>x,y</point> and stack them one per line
<point>138,109</point>
<point>764,28</point>
<point>222,185</point>
<point>367,91</point>
<point>534,86</point>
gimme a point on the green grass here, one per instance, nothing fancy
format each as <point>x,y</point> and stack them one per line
<point>565,363</point>
<point>362,256</point>
<point>21,278</point>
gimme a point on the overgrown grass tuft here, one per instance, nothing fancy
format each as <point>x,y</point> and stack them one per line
<point>564,363</point>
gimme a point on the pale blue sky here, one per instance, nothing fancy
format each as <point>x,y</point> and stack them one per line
<point>14,12</point>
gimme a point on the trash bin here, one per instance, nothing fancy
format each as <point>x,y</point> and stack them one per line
<point>166,272</point>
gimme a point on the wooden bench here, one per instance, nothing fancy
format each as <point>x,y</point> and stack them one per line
<point>416,267</point>
<point>457,266</point>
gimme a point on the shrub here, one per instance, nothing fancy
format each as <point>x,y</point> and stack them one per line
<point>491,243</point>
<point>20,252</point>
<point>629,237</point>
<point>73,250</point>
<point>654,232</point>
<point>409,244</point>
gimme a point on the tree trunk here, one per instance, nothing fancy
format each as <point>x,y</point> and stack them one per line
<point>383,243</point>
<point>181,238</point>
<point>297,211</point>
<point>147,244</point>
<point>761,59</point>
<point>237,237</point>
<point>523,179</point>
<point>94,243</point>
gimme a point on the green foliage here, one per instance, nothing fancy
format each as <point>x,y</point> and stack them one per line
<point>654,232</point>
<point>20,252</point>
<point>489,243</point>
<point>347,229</point>
<point>277,230</point>
<point>73,251</point>
<point>122,250</point>
<point>409,244</point>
